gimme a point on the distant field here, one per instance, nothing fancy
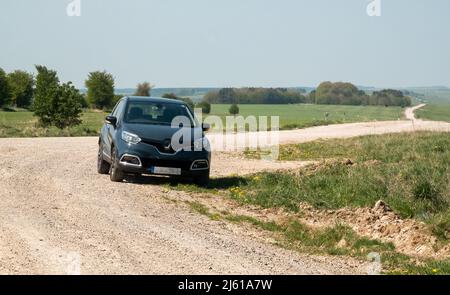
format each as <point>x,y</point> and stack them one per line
<point>435,112</point>
<point>433,95</point>
<point>24,124</point>
<point>306,115</point>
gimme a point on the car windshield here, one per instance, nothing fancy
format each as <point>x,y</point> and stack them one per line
<point>148,112</point>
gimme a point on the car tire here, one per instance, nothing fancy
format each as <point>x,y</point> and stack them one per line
<point>115,173</point>
<point>202,180</point>
<point>102,165</point>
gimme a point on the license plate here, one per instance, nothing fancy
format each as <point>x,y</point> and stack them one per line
<point>165,170</point>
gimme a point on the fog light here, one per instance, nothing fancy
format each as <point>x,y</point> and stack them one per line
<point>200,165</point>
<point>130,160</point>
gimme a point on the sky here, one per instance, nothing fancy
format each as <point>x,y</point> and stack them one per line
<point>231,43</point>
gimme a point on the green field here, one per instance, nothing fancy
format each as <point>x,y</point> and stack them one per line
<point>435,112</point>
<point>24,124</point>
<point>307,115</point>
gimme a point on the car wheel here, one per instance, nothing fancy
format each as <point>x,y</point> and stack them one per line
<point>102,165</point>
<point>115,173</point>
<point>202,180</point>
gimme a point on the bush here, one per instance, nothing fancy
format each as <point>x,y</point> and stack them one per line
<point>47,84</point>
<point>100,89</point>
<point>143,89</point>
<point>21,84</point>
<point>234,109</point>
<point>187,100</point>
<point>67,107</point>
<point>55,104</point>
<point>205,106</point>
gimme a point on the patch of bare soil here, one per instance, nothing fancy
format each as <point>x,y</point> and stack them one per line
<point>409,236</point>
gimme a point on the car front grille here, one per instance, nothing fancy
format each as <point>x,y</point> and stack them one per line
<point>163,147</point>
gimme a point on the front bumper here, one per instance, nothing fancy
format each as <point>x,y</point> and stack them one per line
<point>149,157</point>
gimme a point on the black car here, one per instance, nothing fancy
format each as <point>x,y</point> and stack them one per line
<point>146,135</point>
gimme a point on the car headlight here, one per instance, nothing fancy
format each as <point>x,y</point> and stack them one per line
<point>202,144</point>
<point>130,137</point>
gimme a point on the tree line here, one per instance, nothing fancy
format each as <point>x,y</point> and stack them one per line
<point>20,89</point>
<point>254,96</point>
<point>326,93</point>
<point>348,94</point>
<point>60,104</point>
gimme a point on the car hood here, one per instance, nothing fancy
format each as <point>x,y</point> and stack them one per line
<point>159,133</point>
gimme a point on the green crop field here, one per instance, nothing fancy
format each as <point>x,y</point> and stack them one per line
<point>306,115</point>
<point>24,124</point>
<point>435,112</point>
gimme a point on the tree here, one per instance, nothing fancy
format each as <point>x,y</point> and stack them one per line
<point>67,106</point>
<point>227,95</point>
<point>100,89</point>
<point>83,102</point>
<point>205,106</point>
<point>144,89</point>
<point>5,93</point>
<point>116,99</point>
<point>340,94</point>
<point>21,84</point>
<point>390,97</point>
<point>312,97</point>
<point>47,86</point>
<point>56,104</point>
<point>234,109</point>
<point>187,100</point>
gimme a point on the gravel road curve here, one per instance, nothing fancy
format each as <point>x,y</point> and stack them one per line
<point>348,130</point>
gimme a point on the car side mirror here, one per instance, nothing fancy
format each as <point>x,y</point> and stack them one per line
<point>206,127</point>
<point>111,120</point>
